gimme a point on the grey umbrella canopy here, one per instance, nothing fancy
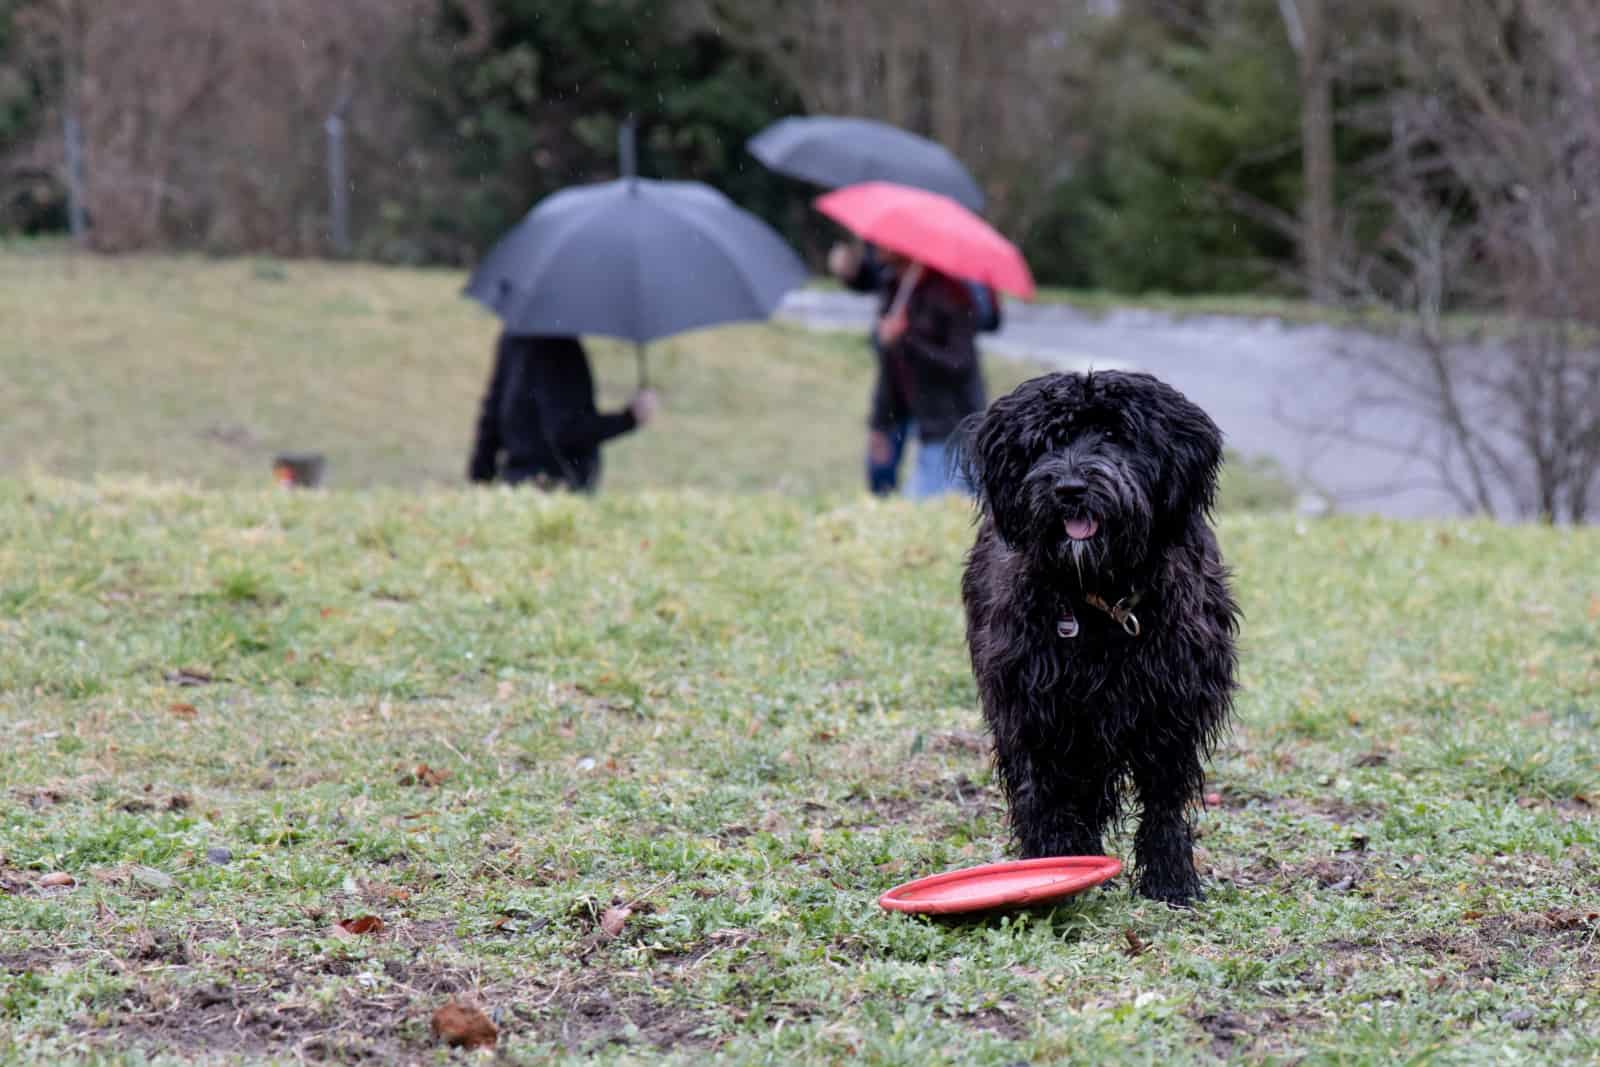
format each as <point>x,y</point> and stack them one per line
<point>635,259</point>
<point>834,151</point>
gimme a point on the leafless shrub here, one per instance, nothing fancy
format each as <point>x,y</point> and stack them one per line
<point>991,81</point>
<point>202,121</point>
<point>1493,195</point>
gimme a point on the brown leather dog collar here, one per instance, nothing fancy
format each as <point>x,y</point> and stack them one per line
<point>1121,613</point>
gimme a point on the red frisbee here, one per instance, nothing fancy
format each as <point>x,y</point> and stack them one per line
<point>998,885</point>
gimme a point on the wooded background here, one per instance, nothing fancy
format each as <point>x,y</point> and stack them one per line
<point>1130,145</point>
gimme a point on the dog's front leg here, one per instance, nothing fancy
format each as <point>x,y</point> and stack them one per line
<point>1169,783</point>
<point>1054,812</point>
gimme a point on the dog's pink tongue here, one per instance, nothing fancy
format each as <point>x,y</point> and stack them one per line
<point>1082,529</point>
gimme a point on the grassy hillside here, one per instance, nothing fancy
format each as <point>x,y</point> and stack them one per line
<point>190,369</point>
<point>197,370</point>
<point>236,719</point>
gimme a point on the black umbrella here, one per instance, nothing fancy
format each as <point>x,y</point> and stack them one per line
<point>833,151</point>
<point>635,259</point>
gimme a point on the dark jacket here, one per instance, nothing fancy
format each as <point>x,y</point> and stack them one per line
<point>873,275</point>
<point>931,375</point>
<point>538,420</point>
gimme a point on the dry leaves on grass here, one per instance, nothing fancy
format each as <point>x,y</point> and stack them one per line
<point>425,776</point>
<point>1572,918</point>
<point>358,926</point>
<point>57,880</point>
<point>183,711</point>
<point>463,1026</point>
<point>613,919</point>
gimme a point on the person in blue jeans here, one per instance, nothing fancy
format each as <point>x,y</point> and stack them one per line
<point>906,379</point>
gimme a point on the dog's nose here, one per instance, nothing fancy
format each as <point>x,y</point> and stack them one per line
<point>1069,486</point>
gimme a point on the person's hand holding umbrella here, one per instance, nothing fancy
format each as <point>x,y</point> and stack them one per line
<point>644,406</point>
<point>892,326</point>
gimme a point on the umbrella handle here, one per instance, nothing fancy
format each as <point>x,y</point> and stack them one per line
<point>908,282</point>
<point>644,367</point>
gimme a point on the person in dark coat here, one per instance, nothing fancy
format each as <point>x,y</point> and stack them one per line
<point>539,422</point>
<point>863,268</point>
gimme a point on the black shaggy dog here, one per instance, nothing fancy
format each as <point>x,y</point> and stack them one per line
<point>1098,613</point>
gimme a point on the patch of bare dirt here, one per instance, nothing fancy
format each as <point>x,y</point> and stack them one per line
<point>591,1017</point>
<point>968,741</point>
<point>272,1018</point>
<point>1331,808</point>
<point>1342,872</point>
<point>36,960</point>
<point>867,810</point>
<point>1000,1021</point>
<point>1234,1034</point>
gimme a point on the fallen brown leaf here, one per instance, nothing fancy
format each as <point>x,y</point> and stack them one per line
<point>1137,946</point>
<point>183,711</point>
<point>185,676</point>
<point>1594,606</point>
<point>614,918</point>
<point>57,878</point>
<point>425,776</point>
<point>361,924</point>
<point>463,1026</point>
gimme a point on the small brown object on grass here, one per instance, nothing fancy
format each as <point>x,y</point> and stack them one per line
<point>462,1026</point>
<point>361,924</point>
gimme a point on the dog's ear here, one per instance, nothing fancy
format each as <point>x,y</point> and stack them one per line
<point>1194,444</point>
<point>995,460</point>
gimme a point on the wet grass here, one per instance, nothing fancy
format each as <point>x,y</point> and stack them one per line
<point>237,718</point>
<point>201,371</point>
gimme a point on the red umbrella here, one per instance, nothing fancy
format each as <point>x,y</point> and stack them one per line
<point>931,229</point>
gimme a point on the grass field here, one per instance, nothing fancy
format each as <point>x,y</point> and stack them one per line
<point>628,774</point>
<point>487,718</point>
<point>198,370</point>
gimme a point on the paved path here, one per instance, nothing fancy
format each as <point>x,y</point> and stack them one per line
<point>1275,389</point>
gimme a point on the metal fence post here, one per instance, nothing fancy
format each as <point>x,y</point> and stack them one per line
<point>338,180</point>
<point>72,132</point>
